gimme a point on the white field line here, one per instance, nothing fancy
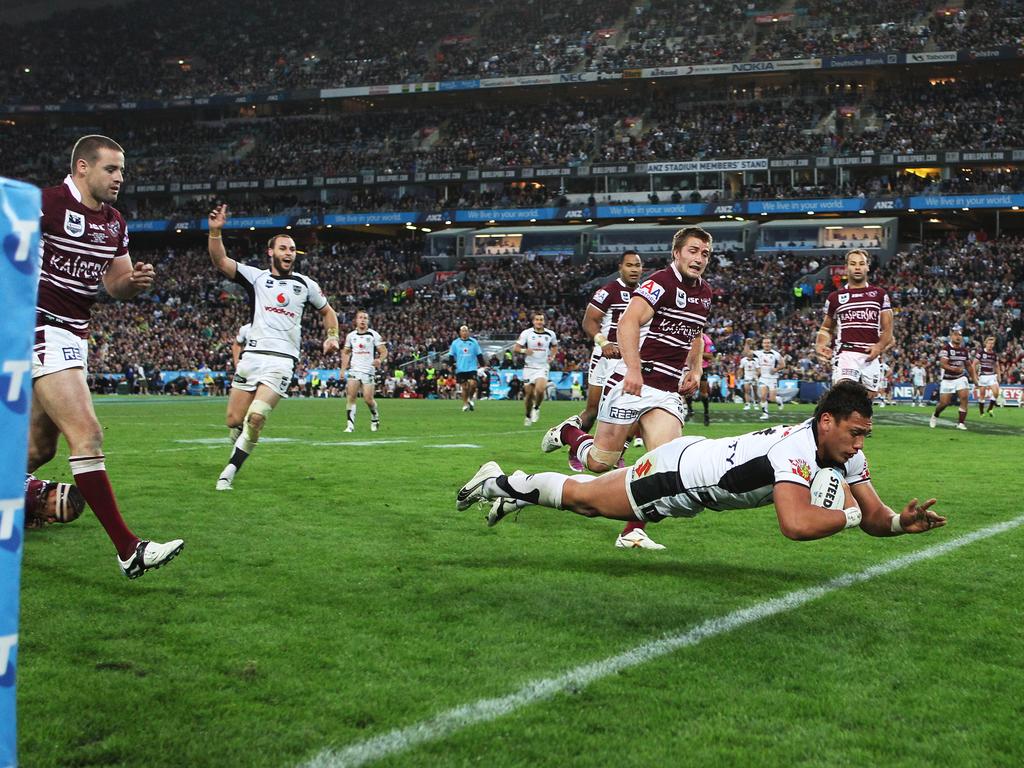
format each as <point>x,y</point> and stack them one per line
<point>485,710</point>
<point>206,443</point>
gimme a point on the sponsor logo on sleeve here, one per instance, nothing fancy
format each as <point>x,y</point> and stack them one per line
<point>651,291</point>
<point>600,296</point>
<point>801,468</point>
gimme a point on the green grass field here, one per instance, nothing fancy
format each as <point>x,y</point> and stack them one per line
<point>335,596</point>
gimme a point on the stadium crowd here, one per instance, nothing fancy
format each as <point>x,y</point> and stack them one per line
<point>342,44</point>
<point>189,321</point>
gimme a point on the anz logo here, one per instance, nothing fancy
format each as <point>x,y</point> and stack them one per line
<point>15,390</point>
<point>723,209</point>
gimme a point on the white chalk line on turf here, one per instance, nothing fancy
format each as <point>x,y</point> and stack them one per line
<point>485,710</point>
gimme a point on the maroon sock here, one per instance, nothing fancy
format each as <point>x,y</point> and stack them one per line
<point>962,416</point>
<point>574,437</point>
<point>633,525</point>
<point>91,478</point>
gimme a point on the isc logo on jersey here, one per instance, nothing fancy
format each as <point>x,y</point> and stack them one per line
<point>650,291</point>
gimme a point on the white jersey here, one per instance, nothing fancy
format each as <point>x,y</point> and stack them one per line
<point>750,368</point>
<point>918,375</point>
<point>537,346</point>
<point>364,346</point>
<point>691,473</point>
<point>243,335</point>
<point>277,306</point>
<point>767,362</point>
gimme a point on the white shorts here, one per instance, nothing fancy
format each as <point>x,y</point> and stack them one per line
<point>601,368</point>
<point>656,483</point>
<point>530,375</point>
<point>57,349</point>
<point>988,380</point>
<point>255,369</point>
<point>360,376</point>
<point>744,382</point>
<point>772,382</point>
<point>619,408</point>
<point>850,366</point>
<point>952,386</point>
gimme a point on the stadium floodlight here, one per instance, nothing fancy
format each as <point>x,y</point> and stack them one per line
<point>252,229</point>
<point>448,221</point>
<point>911,210</point>
<point>287,226</point>
<point>965,209</point>
<point>1015,208</point>
<point>810,213</point>
<point>533,221</point>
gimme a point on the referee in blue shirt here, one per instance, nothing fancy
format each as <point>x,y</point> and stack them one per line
<point>468,356</point>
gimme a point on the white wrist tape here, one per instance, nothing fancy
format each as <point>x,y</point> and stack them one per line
<point>852,517</point>
<point>894,524</point>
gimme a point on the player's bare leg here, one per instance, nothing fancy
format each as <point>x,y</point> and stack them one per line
<point>62,400</point>
<point>371,403</point>
<point>528,403</point>
<point>944,402</point>
<point>468,394</point>
<point>589,414</point>
<point>658,428</point>
<point>540,390</point>
<point>993,397</point>
<point>963,396</point>
<point>262,403</point>
<point>352,387</point>
<point>238,403</point>
<point>763,394</point>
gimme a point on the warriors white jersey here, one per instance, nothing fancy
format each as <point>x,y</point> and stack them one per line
<point>768,361</point>
<point>243,335</point>
<point>364,346</point>
<point>537,346</point>
<point>740,472</point>
<point>277,306</point>
<point>750,368</point>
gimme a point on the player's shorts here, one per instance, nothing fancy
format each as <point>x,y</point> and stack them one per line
<point>57,349</point>
<point>601,368</point>
<point>772,382</point>
<point>744,382</point>
<point>619,408</point>
<point>255,369</point>
<point>531,374</point>
<point>850,366</point>
<point>465,376</point>
<point>656,483</point>
<point>363,377</point>
<point>988,380</point>
<point>952,386</point>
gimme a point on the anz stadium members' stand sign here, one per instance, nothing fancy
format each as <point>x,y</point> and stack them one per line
<point>19,279</point>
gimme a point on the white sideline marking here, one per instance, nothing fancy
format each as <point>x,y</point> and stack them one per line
<point>454,445</point>
<point>225,440</point>
<point>485,710</point>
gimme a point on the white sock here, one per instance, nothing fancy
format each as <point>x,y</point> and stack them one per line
<point>544,488</point>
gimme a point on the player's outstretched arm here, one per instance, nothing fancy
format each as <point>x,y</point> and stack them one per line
<point>218,255</point>
<point>878,519</point>
<point>801,521</point>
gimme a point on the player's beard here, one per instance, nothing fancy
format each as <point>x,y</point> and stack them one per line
<point>280,268</point>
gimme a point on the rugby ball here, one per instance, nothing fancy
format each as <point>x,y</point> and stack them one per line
<point>827,489</point>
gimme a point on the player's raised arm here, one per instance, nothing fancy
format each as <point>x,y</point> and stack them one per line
<point>217,218</point>
<point>878,519</point>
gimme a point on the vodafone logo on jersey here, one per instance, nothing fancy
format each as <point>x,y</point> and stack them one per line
<point>283,300</point>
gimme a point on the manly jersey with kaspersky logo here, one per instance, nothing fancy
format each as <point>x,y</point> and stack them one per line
<point>956,356</point>
<point>987,363</point>
<point>681,308</point>
<point>277,306</point>
<point>78,246</point>
<point>612,299</point>
<point>857,313</point>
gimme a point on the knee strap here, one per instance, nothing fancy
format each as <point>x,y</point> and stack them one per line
<point>261,407</point>
<point>608,458</point>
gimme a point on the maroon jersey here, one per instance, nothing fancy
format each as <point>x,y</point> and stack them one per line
<point>857,313</point>
<point>954,356</point>
<point>987,363</point>
<point>681,308</point>
<point>612,299</point>
<point>79,245</point>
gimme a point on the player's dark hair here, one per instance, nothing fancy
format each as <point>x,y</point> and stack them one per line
<point>681,236</point>
<point>629,252</point>
<point>88,148</point>
<point>273,241</point>
<point>843,399</point>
